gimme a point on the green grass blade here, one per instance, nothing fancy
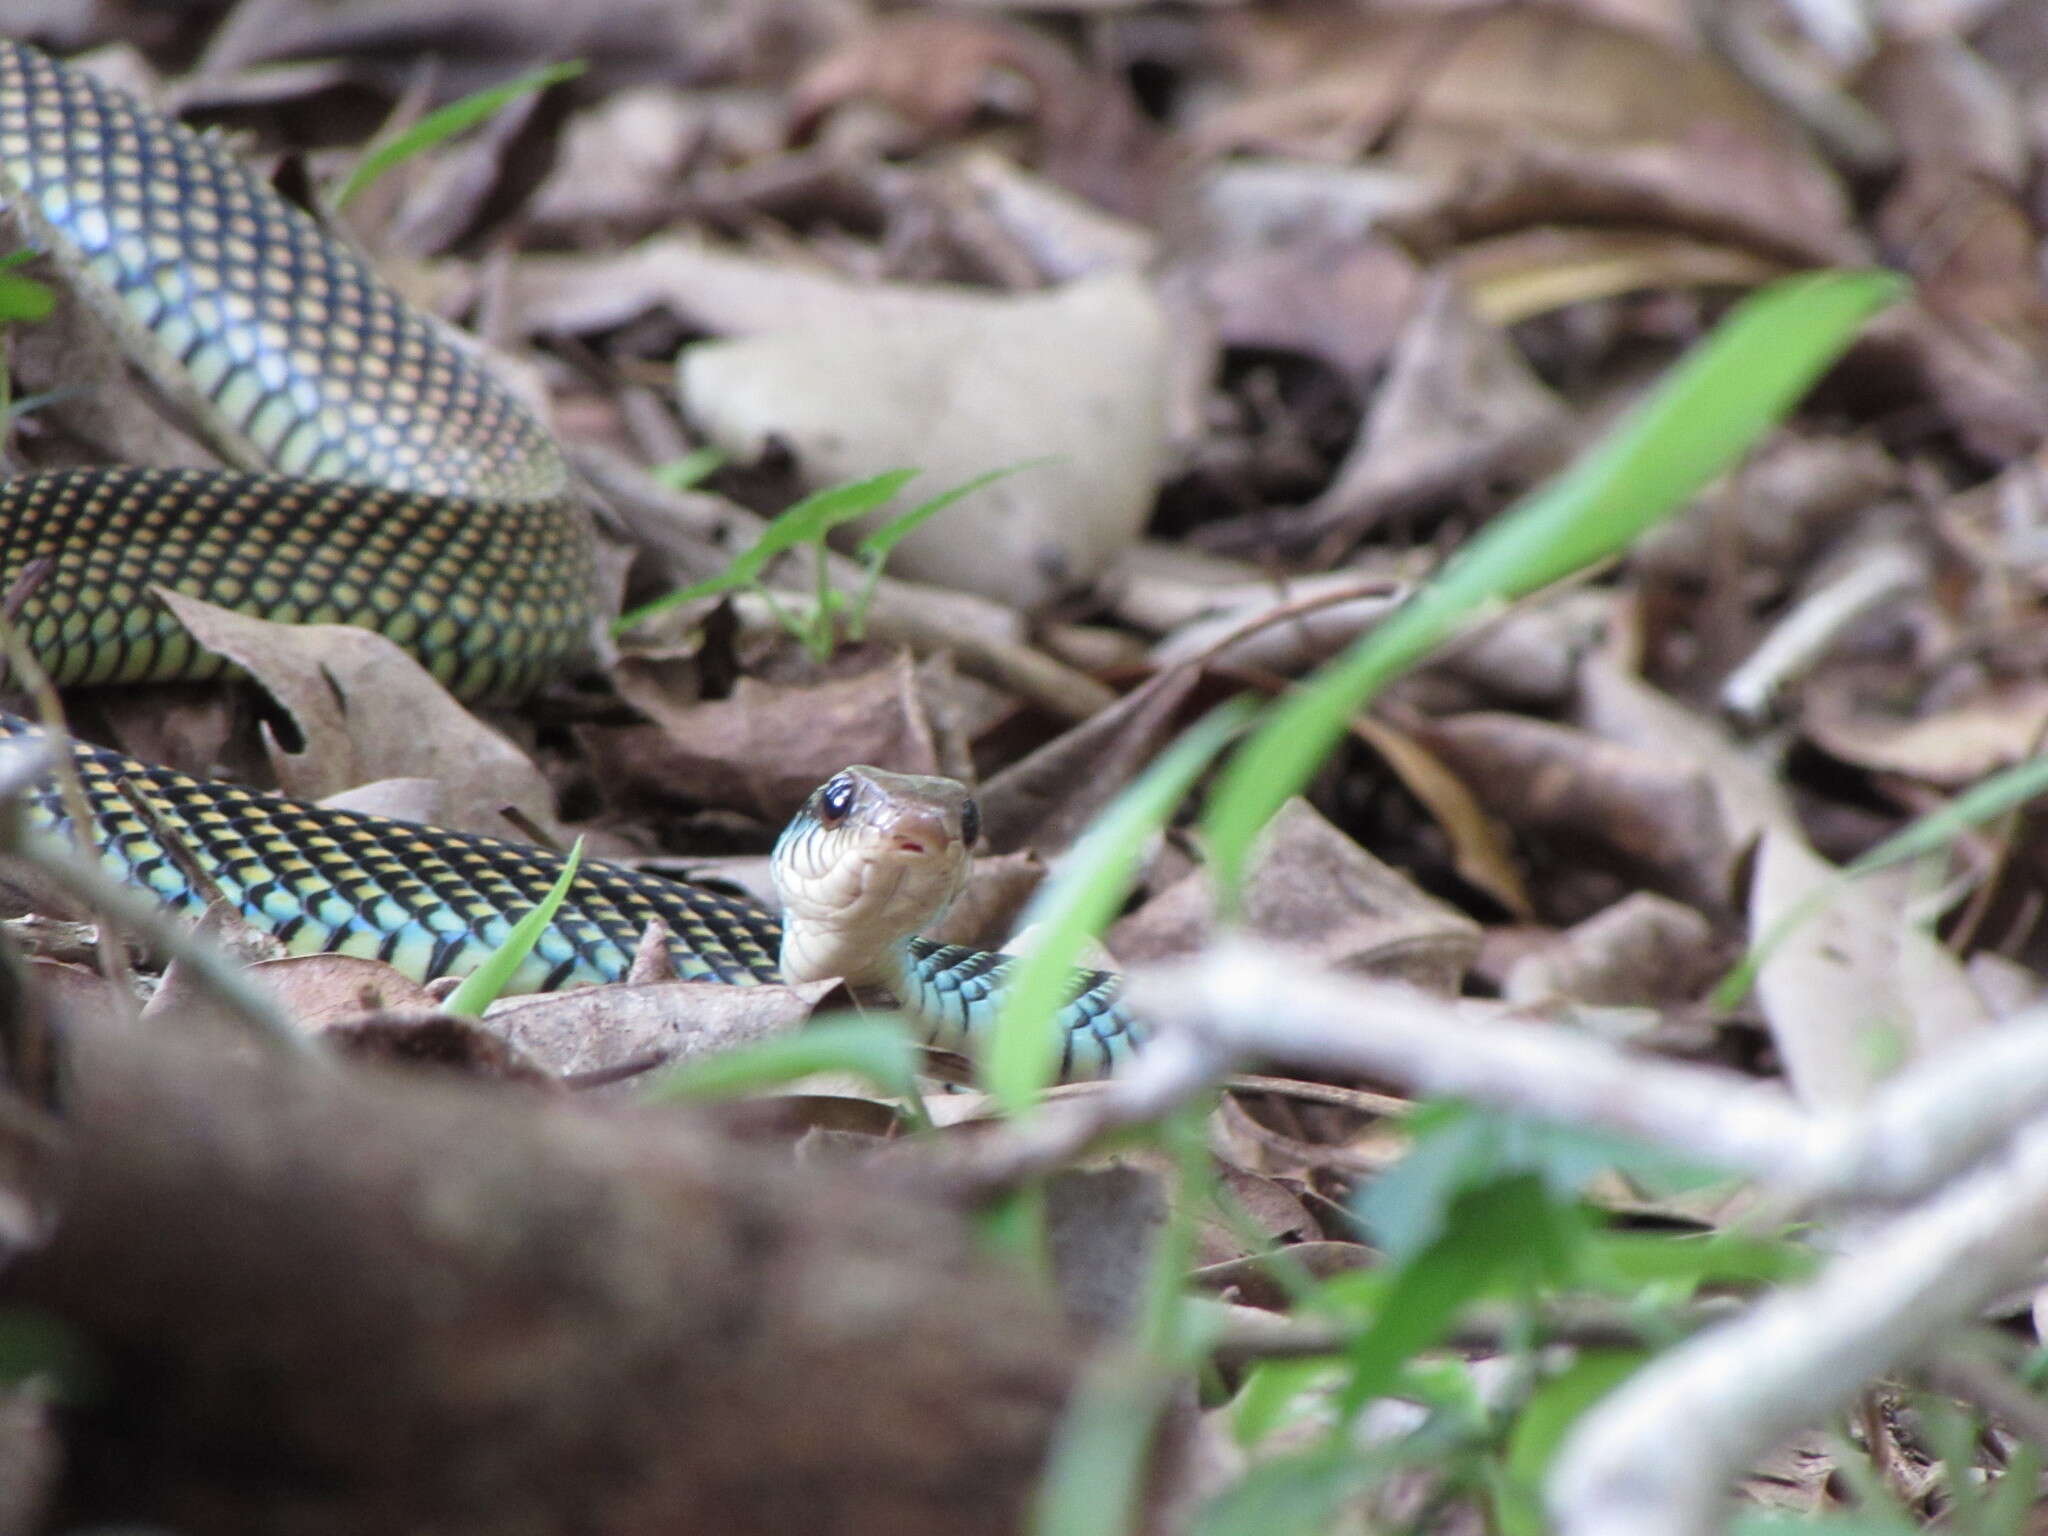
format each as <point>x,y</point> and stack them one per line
<point>2006,790</point>
<point>446,122</point>
<point>480,988</point>
<point>1719,399</point>
<point>805,522</point>
<point>879,1051</point>
<point>876,547</point>
<point>23,299</point>
<point>1023,1046</point>
<point>691,470</point>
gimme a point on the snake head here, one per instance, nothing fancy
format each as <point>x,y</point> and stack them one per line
<point>871,860</point>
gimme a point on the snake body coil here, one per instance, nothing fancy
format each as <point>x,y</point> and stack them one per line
<point>412,495</point>
<point>385,480</point>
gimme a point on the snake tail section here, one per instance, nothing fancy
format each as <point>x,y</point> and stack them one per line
<point>427,503</point>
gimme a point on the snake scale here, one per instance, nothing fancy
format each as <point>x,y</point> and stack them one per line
<point>382,478</point>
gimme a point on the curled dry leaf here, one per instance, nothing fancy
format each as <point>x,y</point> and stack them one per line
<point>767,747</point>
<point>428,1038</point>
<point>603,1029</point>
<point>2002,725</point>
<point>1644,951</point>
<point>1043,801</point>
<point>1344,301</point>
<point>940,70</point>
<point>1077,376</point>
<point>1532,272</point>
<point>1315,890</point>
<point>319,991</point>
<point>1459,408</point>
<point>1529,115</point>
<point>366,710</point>
<point>1651,814</point>
<point>1480,851</point>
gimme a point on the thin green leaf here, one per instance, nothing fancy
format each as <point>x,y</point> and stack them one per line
<point>1096,1468</point>
<point>1293,1495</point>
<point>2006,790</point>
<point>1457,1148</point>
<point>878,1051</point>
<point>691,470</point>
<point>1555,1406</point>
<point>480,988</point>
<point>1714,405</point>
<point>805,522</point>
<point>446,122</point>
<point>24,299</point>
<point>38,1347</point>
<point>875,548</point>
<point>1023,1047</point>
<point>1508,1228</point>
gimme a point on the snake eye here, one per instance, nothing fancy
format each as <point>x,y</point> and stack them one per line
<point>970,823</point>
<point>835,800</point>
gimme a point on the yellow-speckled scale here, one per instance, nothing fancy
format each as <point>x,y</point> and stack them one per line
<point>423,501</point>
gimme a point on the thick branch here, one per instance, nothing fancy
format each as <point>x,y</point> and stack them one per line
<point>343,1301</point>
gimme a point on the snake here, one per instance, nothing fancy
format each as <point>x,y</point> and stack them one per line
<point>380,475</point>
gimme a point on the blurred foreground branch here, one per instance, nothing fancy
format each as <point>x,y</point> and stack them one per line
<point>420,1305</point>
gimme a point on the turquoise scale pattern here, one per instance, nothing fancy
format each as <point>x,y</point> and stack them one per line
<point>957,990</point>
<point>426,900</point>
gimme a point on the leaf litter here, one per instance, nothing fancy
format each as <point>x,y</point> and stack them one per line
<point>1312,287</point>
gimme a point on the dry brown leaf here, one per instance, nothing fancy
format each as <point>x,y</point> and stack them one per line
<point>1946,106</point>
<point>1044,800</point>
<point>1480,850</point>
<point>1644,951</point>
<point>1652,814</point>
<point>1958,745</point>
<point>604,1029</point>
<point>1459,408</point>
<point>1615,704</point>
<point>1346,302</point>
<point>1526,116</point>
<point>767,747</point>
<point>429,1038</point>
<point>366,710</point>
<point>482,46</point>
<point>1315,890</point>
<point>317,991</point>
<point>942,69</point>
